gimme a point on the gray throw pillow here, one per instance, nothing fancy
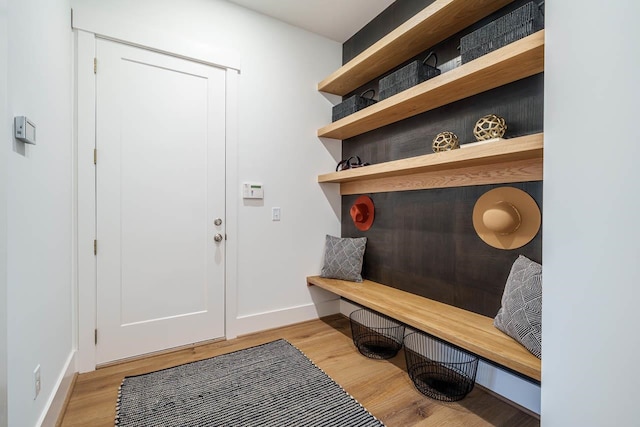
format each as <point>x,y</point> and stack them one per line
<point>343,258</point>
<point>520,316</point>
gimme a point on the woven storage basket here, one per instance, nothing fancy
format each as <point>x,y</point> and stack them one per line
<point>438,369</point>
<point>408,76</point>
<point>375,335</point>
<point>352,104</point>
<point>515,25</point>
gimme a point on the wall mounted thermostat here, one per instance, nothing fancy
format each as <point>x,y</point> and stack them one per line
<point>25,129</point>
<point>252,191</point>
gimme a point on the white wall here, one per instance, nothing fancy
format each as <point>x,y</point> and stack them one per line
<point>279,112</point>
<point>4,151</point>
<point>38,204</point>
<point>591,243</point>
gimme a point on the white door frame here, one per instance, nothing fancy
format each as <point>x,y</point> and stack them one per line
<point>84,144</point>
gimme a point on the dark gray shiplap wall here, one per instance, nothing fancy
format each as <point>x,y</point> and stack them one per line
<point>423,241</point>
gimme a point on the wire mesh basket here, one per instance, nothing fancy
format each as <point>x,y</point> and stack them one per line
<point>375,335</point>
<point>439,370</point>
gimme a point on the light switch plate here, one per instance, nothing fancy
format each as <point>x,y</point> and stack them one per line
<point>275,214</point>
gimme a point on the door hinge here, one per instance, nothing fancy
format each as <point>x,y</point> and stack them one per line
<point>95,336</point>
<point>95,247</point>
<point>95,156</point>
<point>95,65</point>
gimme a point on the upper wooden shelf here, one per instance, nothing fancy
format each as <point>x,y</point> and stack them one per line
<point>507,160</point>
<point>436,22</point>
<point>515,61</point>
<point>468,330</point>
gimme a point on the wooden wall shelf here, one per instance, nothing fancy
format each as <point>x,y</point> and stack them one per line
<point>513,62</point>
<point>506,160</point>
<point>438,21</point>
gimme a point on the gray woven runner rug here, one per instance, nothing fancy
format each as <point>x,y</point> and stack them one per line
<point>273,384</point>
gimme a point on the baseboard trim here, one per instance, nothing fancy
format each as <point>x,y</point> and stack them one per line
<point>54,409</point>
<point>274,319</point>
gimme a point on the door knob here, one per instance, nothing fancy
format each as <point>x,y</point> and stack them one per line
<point>217,221</point>
<point>218,237</point>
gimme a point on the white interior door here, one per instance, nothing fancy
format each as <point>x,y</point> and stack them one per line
<point>159,187</point>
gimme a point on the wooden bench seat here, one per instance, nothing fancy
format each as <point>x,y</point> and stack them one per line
<point>468,330</point>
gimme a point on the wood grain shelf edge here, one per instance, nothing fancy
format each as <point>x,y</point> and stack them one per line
<point>497,173</point>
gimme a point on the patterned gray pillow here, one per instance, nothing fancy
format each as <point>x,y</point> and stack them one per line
<point>343,258</point>
<point>520,316</point>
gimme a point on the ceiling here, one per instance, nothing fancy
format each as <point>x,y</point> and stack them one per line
<point>335,19</point>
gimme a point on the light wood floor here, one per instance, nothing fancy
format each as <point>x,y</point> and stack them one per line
<point>383,387</point>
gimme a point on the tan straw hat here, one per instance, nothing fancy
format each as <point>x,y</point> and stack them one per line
<point>506,218</point>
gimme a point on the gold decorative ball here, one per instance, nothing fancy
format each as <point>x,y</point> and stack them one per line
<point>489,127</point>
<point>445,141</point>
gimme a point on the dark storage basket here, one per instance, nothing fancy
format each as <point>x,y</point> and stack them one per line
<point>515,25</point>
<point>408,76</point>
<point>376,336</point>
<point>439,370</point>
<point>352,104</point>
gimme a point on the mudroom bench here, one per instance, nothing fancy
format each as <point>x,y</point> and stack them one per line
<point>468,330</point>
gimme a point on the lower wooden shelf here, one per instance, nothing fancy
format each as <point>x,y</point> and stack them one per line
<point>508,160</point>
<point>468,330</point>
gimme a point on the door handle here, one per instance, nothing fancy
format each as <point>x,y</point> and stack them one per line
<point>218,237</point>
